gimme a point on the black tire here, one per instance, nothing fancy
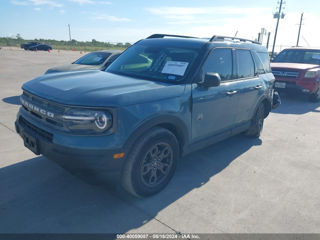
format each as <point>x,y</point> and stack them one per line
<point>256,123</point>
<point>144,163</point>
<point>315,97</point>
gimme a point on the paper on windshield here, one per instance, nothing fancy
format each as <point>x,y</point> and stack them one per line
<point>175,67</point>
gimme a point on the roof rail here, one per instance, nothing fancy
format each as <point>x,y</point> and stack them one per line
<point>212,39</point>
<point>168,35</point>
<point>219,38</point>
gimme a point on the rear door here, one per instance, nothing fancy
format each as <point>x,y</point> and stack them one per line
<point>250,86</point>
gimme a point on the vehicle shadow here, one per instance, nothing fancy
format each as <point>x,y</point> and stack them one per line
<point>296,104</point>
<point>39,196</point>
<point>15,100</point>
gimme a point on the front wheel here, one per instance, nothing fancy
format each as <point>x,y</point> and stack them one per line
<point>315,97</point>
<point>256,123</point>
<point>151,163</point>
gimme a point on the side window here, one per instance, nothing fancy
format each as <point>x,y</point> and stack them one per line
<point>260,69</point>
<point>264,57</point>
<point>113,57</point>
<point>219,61</point>
<point>245,65</point>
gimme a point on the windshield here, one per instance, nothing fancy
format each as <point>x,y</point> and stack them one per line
<point>94,58</point>
<point>299,56</point>
<point>155,62</point>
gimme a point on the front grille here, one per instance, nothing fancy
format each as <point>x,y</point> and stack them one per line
<point>46,106</point>
<point>285,73</point>
<point>48,136</point>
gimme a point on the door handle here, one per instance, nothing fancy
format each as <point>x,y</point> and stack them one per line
<point>231,92</point>
<point>258,87</point>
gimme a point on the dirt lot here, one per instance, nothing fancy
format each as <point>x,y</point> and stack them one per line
<point>270,185</point>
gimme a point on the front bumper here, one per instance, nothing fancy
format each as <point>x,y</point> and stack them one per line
<point>276,100</point>
<point>308,87</point>
<point>80,154</point>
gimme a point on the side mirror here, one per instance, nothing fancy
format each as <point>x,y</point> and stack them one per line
<point>211,80</point>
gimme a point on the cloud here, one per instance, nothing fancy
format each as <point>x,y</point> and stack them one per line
<point>208,21</point>
<point>22,3</point>
<point>110,18</point>
<point>46,2</point>
<point>203,15</point>
<point>81,2</point>
<point>62,11</point>
<point>50,3</point>
<point>37,9</point>
<point>104,2</point>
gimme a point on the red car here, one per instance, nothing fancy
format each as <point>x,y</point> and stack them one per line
<point>298,70</point>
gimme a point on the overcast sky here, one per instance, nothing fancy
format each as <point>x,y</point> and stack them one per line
<point>129,21</point>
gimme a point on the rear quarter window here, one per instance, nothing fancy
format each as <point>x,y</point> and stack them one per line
<point>264,57</point>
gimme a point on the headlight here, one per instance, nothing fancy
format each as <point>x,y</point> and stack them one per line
<point>311,74</point>
<point>87,121</point>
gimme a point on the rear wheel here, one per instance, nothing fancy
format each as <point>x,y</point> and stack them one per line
<point>151,163</point>
<point>256,123</point>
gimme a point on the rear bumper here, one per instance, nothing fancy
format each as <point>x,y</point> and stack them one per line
<point>90,160</point>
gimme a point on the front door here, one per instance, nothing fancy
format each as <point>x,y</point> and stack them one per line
<point>214,108</point>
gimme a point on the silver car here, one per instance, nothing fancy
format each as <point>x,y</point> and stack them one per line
<point>95,60</point>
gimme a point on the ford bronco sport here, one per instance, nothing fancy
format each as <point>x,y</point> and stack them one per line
<point>298,70</point>
<point>164,97</point>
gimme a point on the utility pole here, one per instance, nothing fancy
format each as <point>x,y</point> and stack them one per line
<point>69,32</point>
<point>268,40</point>
<point>278,15</point>
<point>259,37</point>
<point>301,19</point>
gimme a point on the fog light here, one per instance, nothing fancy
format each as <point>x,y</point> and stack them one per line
<point>305,90</point>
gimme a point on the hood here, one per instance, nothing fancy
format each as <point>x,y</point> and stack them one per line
<point>72,67</point>
<point>299,66</point>
<point>98,88</point>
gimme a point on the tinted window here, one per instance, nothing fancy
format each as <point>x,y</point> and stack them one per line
<point>245,65</point>
<point>299,56</point>
<point>113,57</point>
<point>264,57</point>
<point>94,58</point>
<point>219,61</point>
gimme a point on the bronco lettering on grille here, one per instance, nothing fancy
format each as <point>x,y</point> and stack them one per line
<point>36,109</point>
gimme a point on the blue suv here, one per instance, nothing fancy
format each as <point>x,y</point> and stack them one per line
<point>163,98</point>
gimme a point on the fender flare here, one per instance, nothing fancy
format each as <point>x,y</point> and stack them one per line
<point>172,123</point>
<point>268,105</point>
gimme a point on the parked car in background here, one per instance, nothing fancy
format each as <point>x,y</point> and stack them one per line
<point>26,46</point>
<point>99,60</point>
<point>164,97</point>
<point>40,47</point>
<point>298,70</point>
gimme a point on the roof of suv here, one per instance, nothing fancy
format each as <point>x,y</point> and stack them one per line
<point>303,48</point>
<point>217,41</point>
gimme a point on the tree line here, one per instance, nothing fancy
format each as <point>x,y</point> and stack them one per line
<point>92,45</point>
